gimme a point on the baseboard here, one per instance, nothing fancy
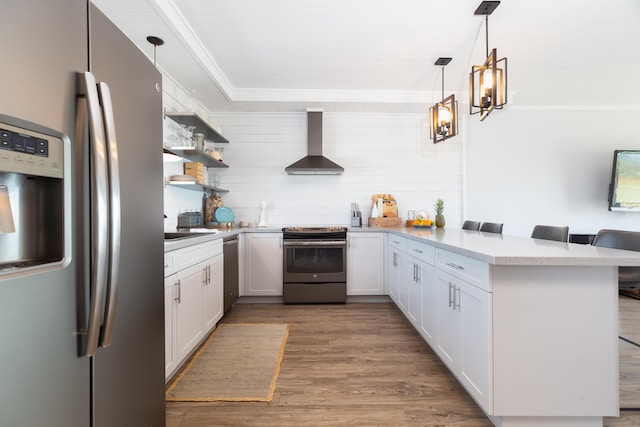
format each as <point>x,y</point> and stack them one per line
<point>279,300</point>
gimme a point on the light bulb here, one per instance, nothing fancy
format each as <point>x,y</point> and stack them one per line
<point>487,82</point>
<point>444,115</point>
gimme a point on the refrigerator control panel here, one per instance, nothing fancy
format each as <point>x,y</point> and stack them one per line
<point>30,152</point>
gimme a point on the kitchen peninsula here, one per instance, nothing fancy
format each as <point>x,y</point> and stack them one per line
<point>529,327</point>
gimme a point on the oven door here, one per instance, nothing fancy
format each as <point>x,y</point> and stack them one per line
<point>315,261</point>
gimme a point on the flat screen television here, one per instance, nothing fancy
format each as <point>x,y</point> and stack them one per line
<point>624,190</point>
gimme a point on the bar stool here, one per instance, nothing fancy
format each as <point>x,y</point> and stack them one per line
<point>491,227</point>
<point>628,277</point>
<point>549,232</point>
<point>471,225</point>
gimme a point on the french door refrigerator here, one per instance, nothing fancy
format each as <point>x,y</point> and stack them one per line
<point>81,273</point>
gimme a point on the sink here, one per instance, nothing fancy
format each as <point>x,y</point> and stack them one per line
<point>180,235</point>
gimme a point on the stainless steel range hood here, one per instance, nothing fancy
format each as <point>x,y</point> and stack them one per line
<point>314,163</point>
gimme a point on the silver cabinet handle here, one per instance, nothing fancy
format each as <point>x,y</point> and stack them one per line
<point>113,175</point>
<point>395,262</point>
<point>417,250</point>
<point>456,300</point>
<point>450,295</point>
<point>456,266</point>
<point>208,274</point>
<point>178,297</point>
<point>87,89</point>
<point>418,274</point>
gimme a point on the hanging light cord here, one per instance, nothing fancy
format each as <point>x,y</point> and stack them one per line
<point>486,28</point>
<point>442,82</point>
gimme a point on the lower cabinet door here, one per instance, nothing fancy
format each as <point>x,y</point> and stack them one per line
<point>212,293</point>
<point>188,310</point>
<point>365,264</point>
<point>447,342</point>
<point>262,264</point>
<point>430,308</point>
<point>474,355</point>
<point>170,284</point>
<point>394,270</point>
<point>414,293</point>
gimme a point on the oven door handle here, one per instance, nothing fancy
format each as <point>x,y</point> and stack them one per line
<point>315,243</point>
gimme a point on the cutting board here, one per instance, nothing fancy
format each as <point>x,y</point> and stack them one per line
<point>389,206</point>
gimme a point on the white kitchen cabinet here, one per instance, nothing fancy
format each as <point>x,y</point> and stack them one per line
<point>193,299</point>
<point>262,264</point>
<point>463,337</point>
<point>396,271</point>
<point>515,323</point>
<point>213,292</point>
<point>427,323</point>
<point>446,298</point>
<point>414,292</point>
<point>169,325</point>
<point>188,309</point>
<point>365,263</point>
<point>419,276</point>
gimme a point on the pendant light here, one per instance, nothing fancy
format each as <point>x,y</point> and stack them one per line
<point>155,41</point>
<point>488,82</point>
<point>443,116</point>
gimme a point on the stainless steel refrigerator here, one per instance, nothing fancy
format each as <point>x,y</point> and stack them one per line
<point>81,273</point>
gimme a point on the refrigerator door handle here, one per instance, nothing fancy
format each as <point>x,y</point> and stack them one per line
<point>87,88</point>
<point>115,214</point>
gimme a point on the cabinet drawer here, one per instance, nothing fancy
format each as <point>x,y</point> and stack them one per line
<point>397,242</point>
<point>468,269</point>
<point>185,257</point>
<point>168,264</point>
<point>422,251</point>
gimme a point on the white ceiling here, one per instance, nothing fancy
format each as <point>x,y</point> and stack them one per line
<point>378,55</point>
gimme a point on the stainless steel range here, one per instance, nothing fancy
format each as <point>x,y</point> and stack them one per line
<point>315,264</point>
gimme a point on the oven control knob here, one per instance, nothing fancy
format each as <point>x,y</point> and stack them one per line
<point>315,276</point>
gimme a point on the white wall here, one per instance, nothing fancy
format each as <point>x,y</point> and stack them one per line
<point>520,166</point>
<point>381,153</point>
<point>547,167</point>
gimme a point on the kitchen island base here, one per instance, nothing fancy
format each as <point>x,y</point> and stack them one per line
<point>547,421</point>
<point>534,340</point>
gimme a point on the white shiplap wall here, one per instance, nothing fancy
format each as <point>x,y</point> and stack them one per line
<point>381,153</point>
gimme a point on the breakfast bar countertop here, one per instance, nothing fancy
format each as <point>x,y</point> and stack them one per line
<point>499,249</point>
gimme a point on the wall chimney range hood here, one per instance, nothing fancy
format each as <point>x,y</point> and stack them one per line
<point>314,163</point>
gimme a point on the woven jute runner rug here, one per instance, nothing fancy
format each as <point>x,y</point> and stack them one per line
<point>239,362</point>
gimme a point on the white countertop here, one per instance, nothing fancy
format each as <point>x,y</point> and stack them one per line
<point>498,249</point>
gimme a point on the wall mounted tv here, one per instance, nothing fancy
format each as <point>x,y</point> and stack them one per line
<point>624,190</point>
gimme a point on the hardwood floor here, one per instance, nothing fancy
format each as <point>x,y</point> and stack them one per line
<point>362,364</point>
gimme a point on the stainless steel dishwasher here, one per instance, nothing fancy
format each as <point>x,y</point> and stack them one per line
<point>231,290</point>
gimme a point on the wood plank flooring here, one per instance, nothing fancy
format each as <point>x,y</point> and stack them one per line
<point>363,364</point>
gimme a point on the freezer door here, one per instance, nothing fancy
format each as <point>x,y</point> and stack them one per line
<point>44,381</point>
<point>129,374</point>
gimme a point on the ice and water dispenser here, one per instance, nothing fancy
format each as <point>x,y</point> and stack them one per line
<point>32,196</point>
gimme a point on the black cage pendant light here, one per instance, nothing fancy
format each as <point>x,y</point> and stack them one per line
<point>443,116</point>
<point>488,82</point>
